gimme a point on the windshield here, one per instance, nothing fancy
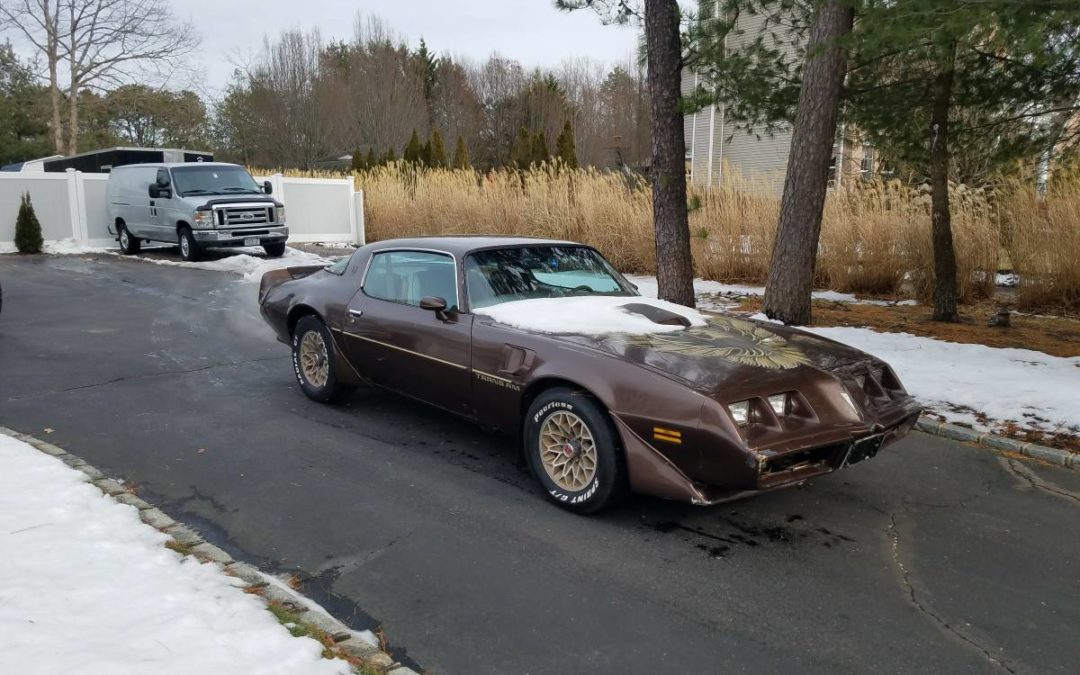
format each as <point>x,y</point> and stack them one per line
<point>214,180</point>
<point>508,274</point>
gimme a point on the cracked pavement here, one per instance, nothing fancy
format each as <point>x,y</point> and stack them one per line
<point>933,557</point>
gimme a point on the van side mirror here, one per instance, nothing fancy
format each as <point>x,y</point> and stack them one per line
<point>157,192</point>
<point>268,187</point>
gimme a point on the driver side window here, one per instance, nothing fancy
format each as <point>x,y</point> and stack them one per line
<point>406,277</point>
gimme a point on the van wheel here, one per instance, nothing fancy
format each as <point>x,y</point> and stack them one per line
<point>189,248</point>
<point>275,250</point>
<point>129,245</point>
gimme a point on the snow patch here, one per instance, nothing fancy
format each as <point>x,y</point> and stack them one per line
<point>1030,388</point>
<point>587,315</point>
<point>247,264</point>
<point>90,589</point>
<point>59,247</point>
<point>703,287</point>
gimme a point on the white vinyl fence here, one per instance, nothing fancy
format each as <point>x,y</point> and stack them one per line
<point>71,205</point>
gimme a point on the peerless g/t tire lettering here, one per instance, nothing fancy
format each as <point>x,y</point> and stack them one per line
<point>574,451</point>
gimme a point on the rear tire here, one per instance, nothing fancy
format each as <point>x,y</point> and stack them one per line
<point>315,363</point>
<point>129,245</point>
<point>189,248</point>
<point>574,451</point>
<point>275,250</point>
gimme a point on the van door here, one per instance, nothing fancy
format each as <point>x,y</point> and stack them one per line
<point>161,226</point>
<point>136,196</point>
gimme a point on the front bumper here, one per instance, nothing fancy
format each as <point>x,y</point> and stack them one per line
<point>273,234</point>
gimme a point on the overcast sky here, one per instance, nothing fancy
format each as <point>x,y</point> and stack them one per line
<point>531,31</point>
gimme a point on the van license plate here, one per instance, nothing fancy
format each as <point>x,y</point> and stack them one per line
<point>251,241</point>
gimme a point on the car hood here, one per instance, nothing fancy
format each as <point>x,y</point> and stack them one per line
<point>727,352</point>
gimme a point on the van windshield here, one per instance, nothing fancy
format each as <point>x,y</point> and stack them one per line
<point>213,180</point>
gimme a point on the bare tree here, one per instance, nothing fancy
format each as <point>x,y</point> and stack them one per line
<point>101,43</point>
<point>39,23</point>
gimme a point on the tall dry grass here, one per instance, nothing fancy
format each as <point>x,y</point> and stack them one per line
<point>875,236</point>
<point>1041,234</point>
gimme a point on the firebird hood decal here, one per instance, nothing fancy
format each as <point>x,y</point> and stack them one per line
<point>729,339</point>
<point>725,352</point>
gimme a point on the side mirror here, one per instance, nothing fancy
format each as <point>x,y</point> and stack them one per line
<point>159,192</point>
<point>268,187</point>
<point>435,304</point>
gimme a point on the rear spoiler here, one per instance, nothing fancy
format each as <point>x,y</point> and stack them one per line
<point>276,277</point>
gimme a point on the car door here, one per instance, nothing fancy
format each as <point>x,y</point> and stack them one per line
<point>397,344</point>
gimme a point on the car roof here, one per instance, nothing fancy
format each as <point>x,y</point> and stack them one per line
<point>460,245</point>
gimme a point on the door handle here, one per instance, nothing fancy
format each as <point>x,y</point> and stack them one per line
<point>356,313</point>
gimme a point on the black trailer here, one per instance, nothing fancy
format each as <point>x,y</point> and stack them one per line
<point>102,161</point>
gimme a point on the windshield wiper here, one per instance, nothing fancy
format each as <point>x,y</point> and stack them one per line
<point>240,189</point>
<point>198,191</point>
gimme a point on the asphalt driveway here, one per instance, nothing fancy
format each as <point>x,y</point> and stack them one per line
<point>932,558</point>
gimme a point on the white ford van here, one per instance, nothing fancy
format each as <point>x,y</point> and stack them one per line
<point>197,205</point>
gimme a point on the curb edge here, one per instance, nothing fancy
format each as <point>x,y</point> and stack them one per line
<point>1062,458</point>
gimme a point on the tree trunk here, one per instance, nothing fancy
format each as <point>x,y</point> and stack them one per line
<point>791,270</point>
<point>52,55</point>
<point>54,95</point>
<point>944,256</point>
<point>674,267</point>
<point>73,118</point>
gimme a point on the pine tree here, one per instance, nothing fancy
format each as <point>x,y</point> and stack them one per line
<point>358,163</point>
<point>425,153</point>
<point>27,228</point>
<point>540,151</point>
<point>412,151</point>
<point>564,147</point>
<point>461,154</point>
<point>371,160</point>
<point>521,155</point>
<point>389,157</point>
<point>438,150</point>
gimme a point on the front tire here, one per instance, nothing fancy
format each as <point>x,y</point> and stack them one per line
<point>574,451</point>
<point>189,248</point>
<point>275,250</point>
<point>129,245</point>
<point>314,362</point>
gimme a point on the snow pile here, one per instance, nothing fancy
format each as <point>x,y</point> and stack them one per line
<point>248,265</point>
<point>59,247</point>
<point>90,589</point>
<point>586,315</point>
<point>1030,388</point>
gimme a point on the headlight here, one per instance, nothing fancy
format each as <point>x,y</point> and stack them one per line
<point>204,219</point>
<point>847,399</point>
<point>778,403</point>
<point>281,214</point>
<point>740,412</point>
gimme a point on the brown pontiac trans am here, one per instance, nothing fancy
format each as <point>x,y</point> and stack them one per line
<point>687,406</point>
